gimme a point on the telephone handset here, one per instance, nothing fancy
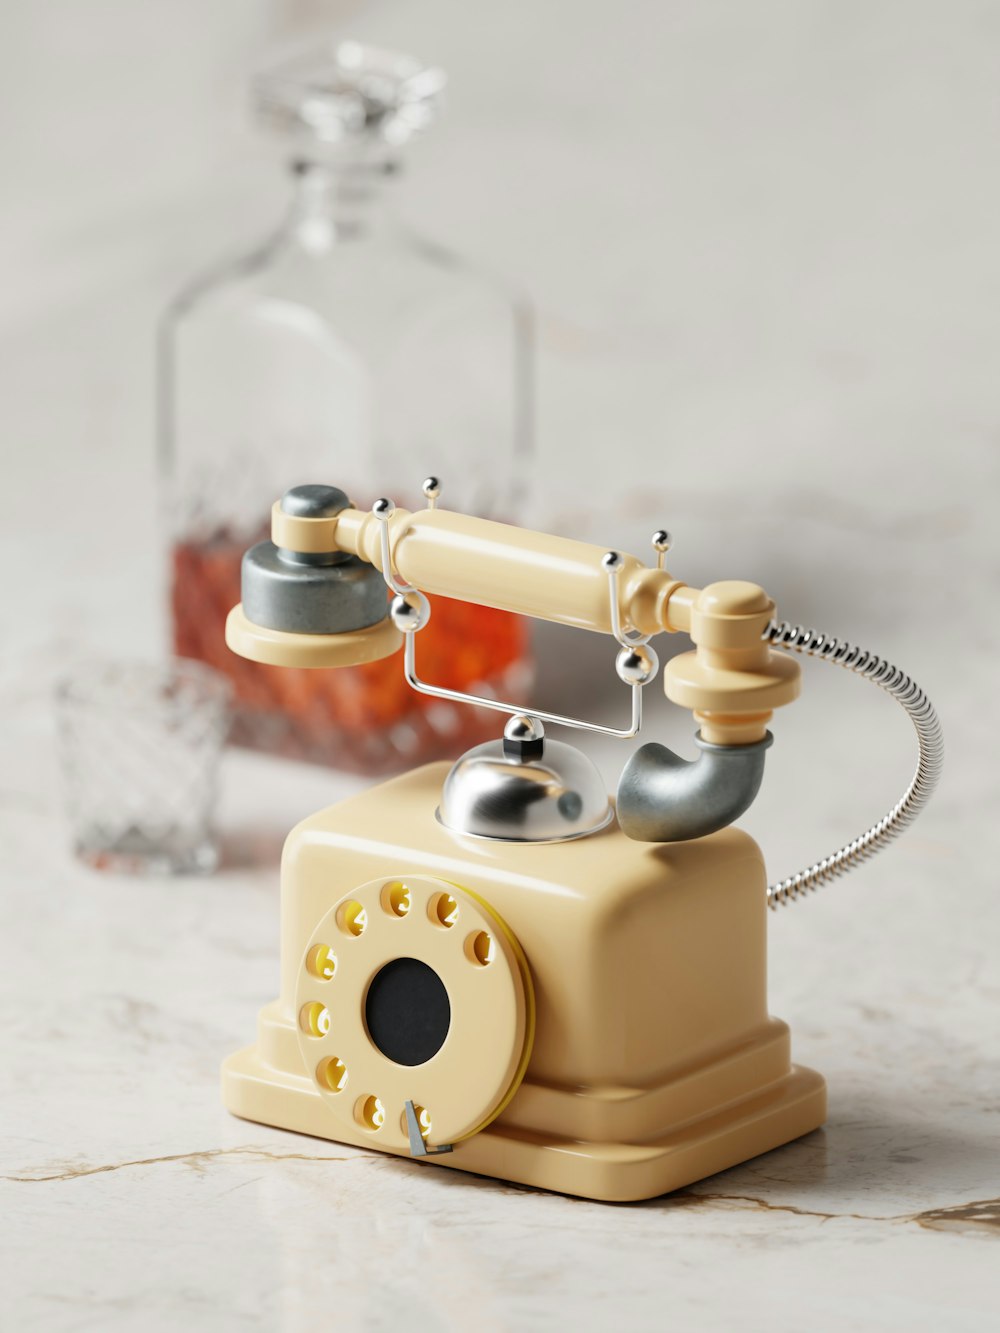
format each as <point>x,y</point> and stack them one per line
<point>493,963</point>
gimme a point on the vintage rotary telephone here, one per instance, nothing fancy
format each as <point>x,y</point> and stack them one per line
<point>492,964</point>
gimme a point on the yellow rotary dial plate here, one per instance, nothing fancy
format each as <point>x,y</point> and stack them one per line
<point>371,982</point>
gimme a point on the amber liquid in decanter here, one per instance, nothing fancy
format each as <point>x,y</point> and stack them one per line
<point>364,719</point>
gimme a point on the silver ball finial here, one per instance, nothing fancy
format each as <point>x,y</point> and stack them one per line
<point>383,508</point>
<point>431,488</point>
<point>612,562</point>
<point>661,545</point>
<point>523,738</point>
<point>523,727</point>
<point>637,666</point>
<point>410,613</point>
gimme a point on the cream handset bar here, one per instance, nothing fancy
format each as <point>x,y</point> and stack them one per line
<point>312,598</point>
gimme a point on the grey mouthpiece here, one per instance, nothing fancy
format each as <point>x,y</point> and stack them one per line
<point>664,798</point>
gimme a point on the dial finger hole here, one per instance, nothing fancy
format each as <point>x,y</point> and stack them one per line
<point>369,1112</point>
<point>331,1074</point>
<point>314,1019</point>
<point>443,910</point>
<point>321,962</point>
<point>395,899</point>
<point>423,1120</point>
<point>352,918</point>
<point>480,948</point>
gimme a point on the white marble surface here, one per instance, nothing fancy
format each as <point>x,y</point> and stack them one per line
<point>131,1200</point>
<point>763,240</point>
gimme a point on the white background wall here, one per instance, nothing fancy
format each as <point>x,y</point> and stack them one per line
<point>763,240</point>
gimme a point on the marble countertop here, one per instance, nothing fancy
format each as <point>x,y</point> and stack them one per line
<point>131,1199</point>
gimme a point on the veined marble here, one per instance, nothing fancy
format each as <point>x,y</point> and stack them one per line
<point>764,244</point>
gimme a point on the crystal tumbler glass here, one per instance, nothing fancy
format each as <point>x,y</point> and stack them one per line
<point>139,746</point>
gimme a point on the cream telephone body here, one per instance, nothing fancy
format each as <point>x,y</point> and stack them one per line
<point>493,965</point>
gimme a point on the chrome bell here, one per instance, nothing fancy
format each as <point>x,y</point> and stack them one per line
<point>524,788</point>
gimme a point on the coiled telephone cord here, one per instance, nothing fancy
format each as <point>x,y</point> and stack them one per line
<point>921,713</point>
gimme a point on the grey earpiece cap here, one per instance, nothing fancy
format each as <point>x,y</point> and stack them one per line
<point>311,598</point>
<point>313,501</point>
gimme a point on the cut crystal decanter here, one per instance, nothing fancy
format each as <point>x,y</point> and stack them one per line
<point>344,348</point>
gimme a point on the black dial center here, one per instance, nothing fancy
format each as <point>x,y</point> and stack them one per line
<point>407,1011</point>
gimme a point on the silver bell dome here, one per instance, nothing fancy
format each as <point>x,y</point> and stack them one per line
<point>524,788</point>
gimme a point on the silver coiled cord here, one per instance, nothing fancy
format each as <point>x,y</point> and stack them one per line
<point>921,713</point>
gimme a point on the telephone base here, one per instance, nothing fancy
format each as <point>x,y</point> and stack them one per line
<point>782,1110</point>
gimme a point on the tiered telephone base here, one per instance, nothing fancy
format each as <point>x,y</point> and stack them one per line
<point>608,1033</point>
<point>784,1109</point>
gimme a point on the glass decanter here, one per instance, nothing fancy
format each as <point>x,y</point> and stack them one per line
<point>344,349</point>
